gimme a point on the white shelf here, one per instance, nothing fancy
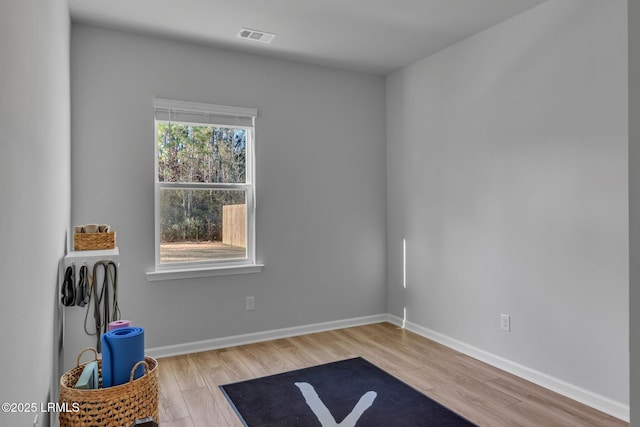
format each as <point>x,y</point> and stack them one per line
<point>79,257</point>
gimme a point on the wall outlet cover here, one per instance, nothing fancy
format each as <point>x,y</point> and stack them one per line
<point>505,322</point>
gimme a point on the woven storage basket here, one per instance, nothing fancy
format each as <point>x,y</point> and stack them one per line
<point>112,406</point>
<point>94,241</point>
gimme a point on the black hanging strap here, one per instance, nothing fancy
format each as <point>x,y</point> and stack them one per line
<point>68,292</point>
<point>83,290</point>
<point>104,311</point>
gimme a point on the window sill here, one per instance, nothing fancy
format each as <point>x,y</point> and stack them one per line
<point>192,273</point>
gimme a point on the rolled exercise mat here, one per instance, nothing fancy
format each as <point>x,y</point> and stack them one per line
<point>119,324</point>
<point>122,348</point>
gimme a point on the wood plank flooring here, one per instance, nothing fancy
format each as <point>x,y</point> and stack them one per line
<point>189,393</point>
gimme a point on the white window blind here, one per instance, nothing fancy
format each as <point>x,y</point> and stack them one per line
<point>203,114</point>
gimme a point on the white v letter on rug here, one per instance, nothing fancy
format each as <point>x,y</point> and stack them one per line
<point>322,412</point>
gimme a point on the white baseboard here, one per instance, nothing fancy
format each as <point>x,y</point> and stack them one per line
<point>604,404</point>
<point>232,341</point>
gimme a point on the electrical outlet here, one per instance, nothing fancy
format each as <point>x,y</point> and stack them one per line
<point>251,303</point>
<point>505,322</point>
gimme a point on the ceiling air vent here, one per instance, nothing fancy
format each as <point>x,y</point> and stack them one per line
<point>255,35</point>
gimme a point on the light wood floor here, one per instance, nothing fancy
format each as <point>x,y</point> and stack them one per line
<point>189,393</point>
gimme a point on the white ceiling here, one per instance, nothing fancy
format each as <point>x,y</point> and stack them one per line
<point>373,36</point>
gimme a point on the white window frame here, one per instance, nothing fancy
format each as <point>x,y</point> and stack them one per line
<point>216,115</point>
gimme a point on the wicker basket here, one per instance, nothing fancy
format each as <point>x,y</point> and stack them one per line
<point>112,406</point>
<point>94,241</point>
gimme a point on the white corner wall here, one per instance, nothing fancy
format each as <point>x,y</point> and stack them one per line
<point>320,183</point>
<point>634,206</point>
<point>35,195</point>
<point>507,175</point>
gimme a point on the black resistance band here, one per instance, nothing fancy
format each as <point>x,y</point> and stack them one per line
<point>68,295</point>
<point>83,290</point>
<point>103,311</point>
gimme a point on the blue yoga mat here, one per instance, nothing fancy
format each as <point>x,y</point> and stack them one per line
<point>122,348</point>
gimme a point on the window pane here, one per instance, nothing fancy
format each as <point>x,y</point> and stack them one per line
<point>191,153</point>
<point>202,225</point>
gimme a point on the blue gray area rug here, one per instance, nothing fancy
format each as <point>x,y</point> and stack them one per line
<point>348,393</point>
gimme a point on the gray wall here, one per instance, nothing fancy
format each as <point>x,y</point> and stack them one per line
<point>634,205</point>
<point>507,174</point>
<point>320,183</point>
<point>35,194</point>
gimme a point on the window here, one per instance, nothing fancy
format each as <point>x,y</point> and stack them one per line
<point>204,188</point>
